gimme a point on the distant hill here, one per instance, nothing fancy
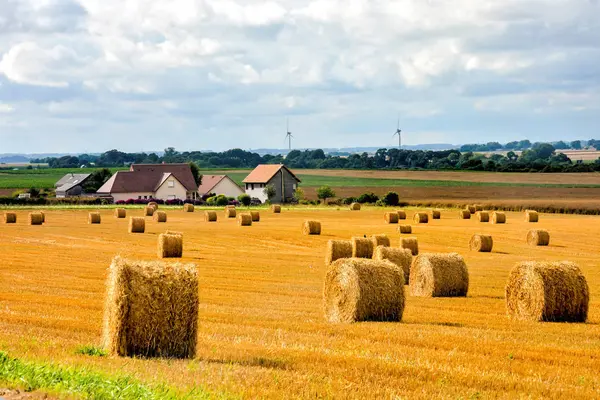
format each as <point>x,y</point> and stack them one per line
<point>352,150</point>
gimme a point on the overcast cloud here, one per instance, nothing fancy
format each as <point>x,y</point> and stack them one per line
<point>92,75</point>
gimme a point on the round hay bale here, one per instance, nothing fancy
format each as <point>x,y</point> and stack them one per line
<point>531,216</point>
<point>380,240</point>
<point>210,216</point>
<point>481,243</point>
<point>478,207</point>
<point>160,216</point>
<point>472,209</point>
<point>244,219</point>
<point>405,229</point>
<point>363,290</point>
<point>153,204</point>
<point>439,275</point>
<point>401,214</point>
<point>10,218</point>
<point>311,228</point>
<point>483,216</point>
<point>390,217</point>
<point>411,244</point>
<point>174,233</point>
<point>149,211</point>
<point>187,207</point>
<point>255,216</point>
<point>94,218</point>
<point>230,213</point>
<point>547,291</point>
<point>276,208</point>
<point>538,237</point>
<point>498,217</point>
<point>362,247</point>
<point>436,214</point>
<point>421,218</point>
<point>355,207</point>
<point>464,214</point>
<point>137,225</point>
<point>170,246</point>
<point>337,249</point>
<point>120,213</point>
<point>36,218</point>
<point>402,258</point>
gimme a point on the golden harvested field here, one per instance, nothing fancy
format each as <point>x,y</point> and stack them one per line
<point>262,331</point>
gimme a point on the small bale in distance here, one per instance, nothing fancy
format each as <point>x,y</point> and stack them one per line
<point>483,216</point>
<point>401,214</point>
<point>439,275</point>
<point>471,208</point>
<point>436,214</point>
<point>244,219</point>
<point>255,216</point>
<point>464,214</point>
<point>411,244</point>
<point>481,243</point>
<point>531,216</point>
<point>149,211</point>
<point>363,290</point>
<point>10,218</point>
<point>36,218</point>
<point>137,225</point>
<point>187,207</point>
<point>153,204</point>
<point>390,217</point>
<point>405,229</point>
<point>276,208</point>
<point>355,207</point>
<point>210,216</point>
<point>337,249</point>
<point>170,246</point>
<point>421,218</point>
<point>120,213</point>
<point>160,216</point>
<point>380,240</point>
<point>498,217</point>
<point>151,309</point>
<point>231,213</point>
<point>362,247</point>
<point>547,291</point>
<point>538,237</point>
<point>94,218</point>
<point>402,258</point>
<point>311,228</point>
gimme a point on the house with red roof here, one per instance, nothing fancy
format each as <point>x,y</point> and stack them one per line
<point>283,180</point>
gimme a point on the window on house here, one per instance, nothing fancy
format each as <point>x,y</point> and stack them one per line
<point>171,184</point>
<point>145,197</point>
<point>139,197</point>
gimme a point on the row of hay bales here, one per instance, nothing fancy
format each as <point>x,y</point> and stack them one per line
<point>34,218</point>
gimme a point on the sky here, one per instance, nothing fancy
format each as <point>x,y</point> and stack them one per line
<point>141,75</point>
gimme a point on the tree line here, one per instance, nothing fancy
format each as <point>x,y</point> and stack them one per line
<point>526,144</point>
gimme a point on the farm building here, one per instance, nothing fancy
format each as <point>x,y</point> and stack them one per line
<point>151,181</point>
<point>219,184</point>
<point>278,175</point>
<point>70,185</point>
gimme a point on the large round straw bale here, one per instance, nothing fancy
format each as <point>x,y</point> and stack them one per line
<point>149,211</point>
<point>464,214</point>
<point>547,291</point>
<point>390,217</point>
<point>244,219</point>
<point>481,243</point>
<point>210,216</point>
<point>120,213</point>
<point>478,207</point>
<point>538,237</point>
<point>187,207</point>
<point>436,214</point>
<point>531,216</point>
<point>137,225</point>
<point>36,218</point>
<point>402,258</point>
<point>363,290</point>
<point>276,208</point>
<point>404,229</point>
<point>311,228</point>
<point>337,249</point>
<point>151,309</point>
<point>472,209</point>
<point>401,214</point>
<point>483,216</point>
<point>498,217</point>
<point>439,275</point>
<point>380,240</point>
<point>230,213</point>
<point>255,216</point>
<point>411,244</point>
<point>362,247</point>
<point>355,206</point>
<point>160,216</point>
<point>10,218</point>
<point>153,204</point>
<point>170,246</point>
<point>94,218</point>
<point>420,218</point>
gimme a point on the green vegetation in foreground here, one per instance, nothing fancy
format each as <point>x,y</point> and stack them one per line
<point>93,351</point>
<point>82,382</point>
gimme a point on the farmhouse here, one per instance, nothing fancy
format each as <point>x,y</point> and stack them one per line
<point>152,181</point>
<point>219,184</point>
<point>70,185</point>
<point>278,175</point>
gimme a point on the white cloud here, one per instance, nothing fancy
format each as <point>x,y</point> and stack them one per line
<point>6,108</point>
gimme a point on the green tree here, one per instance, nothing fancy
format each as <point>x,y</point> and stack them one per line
<point>391,199</point>
<point>34,192</point>
<point>576,144</point>
<point>96,180</point>
<point>325,192</point>
<point>245,199</point>
<point>299,194</point>
<point>196,173</point>
<point>270,191</point>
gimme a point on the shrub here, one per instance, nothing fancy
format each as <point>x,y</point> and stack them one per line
<point>380,203</point>
<point>367,198</point>
<point>325,192</point>
<point>391,199</point>
<point>221,200</point>
<point>348,200</point>
<point>211,201</point>
<point>245,199</point>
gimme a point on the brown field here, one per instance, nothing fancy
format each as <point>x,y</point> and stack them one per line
<point>262,331</point>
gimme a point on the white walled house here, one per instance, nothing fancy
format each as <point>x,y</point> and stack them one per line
<point>283,180</point>
<point>219,184</point>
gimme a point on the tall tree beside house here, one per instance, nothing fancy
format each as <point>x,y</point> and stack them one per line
<point>196,172</point>
<point>270,191</point>
<point>325,192</point>
<point>96,180</point>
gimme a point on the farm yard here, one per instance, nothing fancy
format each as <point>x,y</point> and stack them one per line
<point>262,332</point>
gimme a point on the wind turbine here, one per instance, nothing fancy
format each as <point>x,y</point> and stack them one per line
<point>288,135</point>
<point>399,133</point>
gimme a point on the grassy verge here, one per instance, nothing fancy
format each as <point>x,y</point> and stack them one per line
<point>82,382</point>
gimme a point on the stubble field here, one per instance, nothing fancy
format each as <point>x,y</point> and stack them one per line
<point>262,332</point>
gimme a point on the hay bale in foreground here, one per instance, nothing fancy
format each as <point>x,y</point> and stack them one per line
<point>411,244</point>
<point>137,225</point>
<point>244,219</point>
<point>436,214</point>
<point>538,237</point>
<point>481,243</point>
<point>160,216</point>
<point>311,228</point>
<point>531,216</point>
<point>120,213</point>
<point>363,290</point>
<point>404,229</point>
<point>170,246</point>
<point>362,247</point>
<point>276,208</point>
<point>355,207</point>
<point>464,214</point>
<point>36,218</point>
<point>337,249</point>
<point>439,275</point>
<point>483,216</point>
<point>390,217</point>
<point>231,213</point>
<point>402,258</point>
<point>421,218</point>
<point>210,216</point>
<point>151,309</point>
<point>401,214</point>
<point>255,216</point>
<point>547,291</point>
<point>187,207</point>
<point>94,218</point>
<point>380,240</point>
<point>471,208</point>
<point>10,218</point>
<point>149,211</point>
<point>498,217</point>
